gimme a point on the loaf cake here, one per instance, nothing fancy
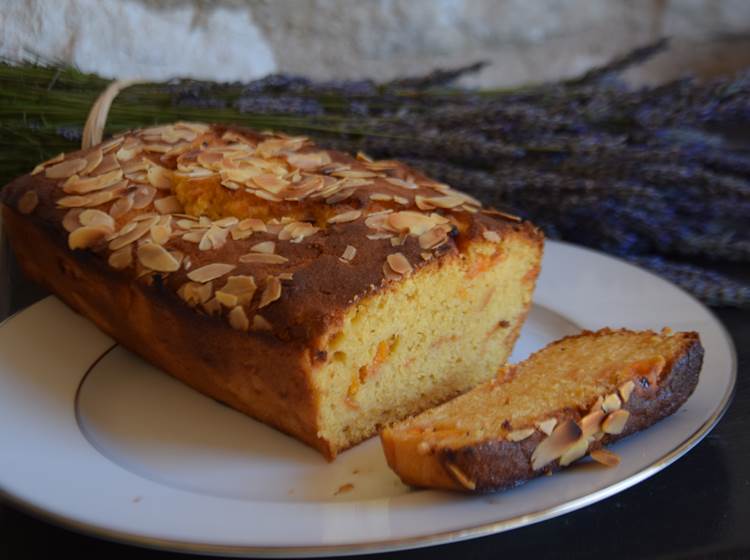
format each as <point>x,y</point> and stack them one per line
<point>565,401</point>
<point>324,294</point>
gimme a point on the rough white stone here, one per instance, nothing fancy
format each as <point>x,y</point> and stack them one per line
<point>127,39</point>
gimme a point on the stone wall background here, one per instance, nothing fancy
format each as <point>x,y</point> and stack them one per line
<point>525,40</point>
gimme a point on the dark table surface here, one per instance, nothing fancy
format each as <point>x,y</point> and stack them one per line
<point>698,507</point>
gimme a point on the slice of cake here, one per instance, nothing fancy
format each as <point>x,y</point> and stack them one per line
<point>324,294</point>
<point>569,399</point>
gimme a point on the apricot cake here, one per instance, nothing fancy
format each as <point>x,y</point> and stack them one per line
<point>569,399</point>
<point>324,294</point>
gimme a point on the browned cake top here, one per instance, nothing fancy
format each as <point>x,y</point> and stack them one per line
<point>266,230</point>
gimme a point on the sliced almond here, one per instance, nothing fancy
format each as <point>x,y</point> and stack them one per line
<point>87,236</point>
<point>92,217</point>
<point>615,422</point>
<point>194,293</point>
<point>143,196</point>
<point>65,169</point>
<point>238,319</point>
<point>547,426</point>
<point>28,202</point>
<point>270,183</point>
<point>161,233</point>
<point>459,476</point>
<point>210,272</point>
<point>611,402</point>
<point>434,238</point>
<point>121,206</point>
<point>168,205</point>
<point>271,292</point>
<point>122,258</point>
<point>42,166</point>
<point>344,217</point>
<point>626,390</point>
<point>212,307</point>
<point>310,160</point>
<point>605,457</point>
<point>349,254</point>
<point>89,200</point>
<point>159,177</point>
<point>389,274</point>
<point>77,185</point>
<point>238,290</point>
<point>551,448</point>
<point>156,257</point>
<point>399,263</point>
<point>261,324</point>
<point>381,197</point>
<point>70,220</point>
<point>130,234</point>
<point>520,435</point>
<point>591,423</point>
<point>574,452</point>
<point>264,247</point>
<point>262,258</point>
<point>93,160</point>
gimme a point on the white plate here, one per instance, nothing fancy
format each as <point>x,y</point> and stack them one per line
<point>97,440</point>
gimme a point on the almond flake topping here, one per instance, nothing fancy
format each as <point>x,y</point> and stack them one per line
<point>65,169</point>
<point>157,258</point>
<point>271,292</point>
<point>76,185</point>
<point>344,217</point>
<point>210,272</point>
<point>87,236</point>
<point>159,177</point>
<point>520,435</point>
<point>194,293</point>
<point>28,202</point>
<point>238,290</point>
<point>238,319</point>
<point>42,166</point>
<point>348,254</point>
<point>93,160</point>
<point>93,217</point>
<point>261,324</point>
<point>122,258</point>
<point>264,247</point>
<point>605,457</point>
<point>399,263</point>
<point>168,205</point>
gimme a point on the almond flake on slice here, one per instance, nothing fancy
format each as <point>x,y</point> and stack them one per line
<point>194,293</point>
<point>262,258</point>
<point>65,169</point>
<point>28,202</point>
<point>388,272</point>
<point>261,324</point>
<point>434,238</point>
<point>156,257</point>
<point>574,452</point>
<point>93,160</point>
<point>130,235</point>
<point>210,272</point>
<point>605,457</point>
<point>611,402</point>
<point>399,263</point>
<point>77,185</point>
<point>551,448</point>
<point>87,236</point>
<point>349,253</point>
<point>615,422</point>
<point>92,217</point>
<point>121,206</point>
<point>344,217</point>
<point>42,166</point>
<point>238,319</point>
<point>546,426</point>
<point>168,205</point>
<point>70,220</point>
<point>238,290</point>
<point>159,177</point>
<point>460,476</point>
<point>264,247</point>
<point>520,435</point>
<point>625,390</point>
<point>271,292</point>
<point>122,258</point>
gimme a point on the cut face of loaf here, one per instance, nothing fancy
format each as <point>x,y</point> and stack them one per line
<point>568,399</point>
